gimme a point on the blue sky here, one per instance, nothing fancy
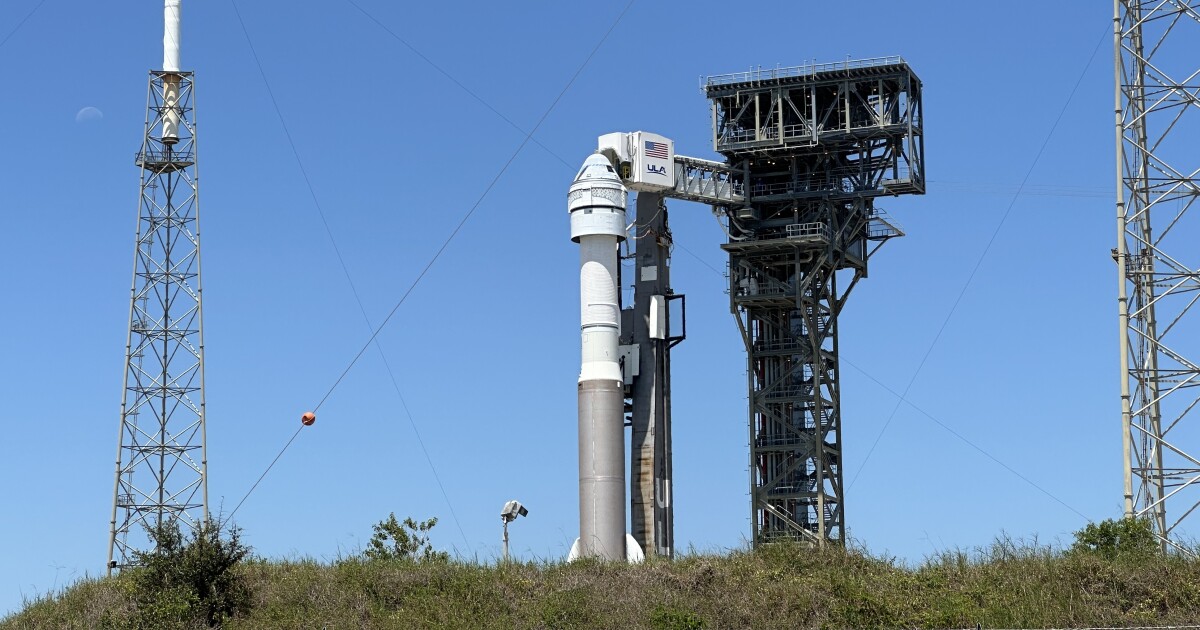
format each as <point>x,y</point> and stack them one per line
<point>485,349</point>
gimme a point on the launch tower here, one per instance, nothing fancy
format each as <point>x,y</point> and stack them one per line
<point>813,147</point>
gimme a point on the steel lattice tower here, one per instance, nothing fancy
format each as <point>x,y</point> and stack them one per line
<point>161,472</point>
<point>815,146</point>
<point>1157,126</point>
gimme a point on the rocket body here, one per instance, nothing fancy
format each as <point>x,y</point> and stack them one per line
<point>597,205</point>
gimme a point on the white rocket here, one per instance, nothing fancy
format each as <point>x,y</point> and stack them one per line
<point>597,202</point>
<point>597,206</point>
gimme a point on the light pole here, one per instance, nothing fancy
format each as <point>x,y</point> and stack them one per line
<point>511,511</point>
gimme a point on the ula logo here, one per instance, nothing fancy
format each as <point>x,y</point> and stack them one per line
<point>661,170</point>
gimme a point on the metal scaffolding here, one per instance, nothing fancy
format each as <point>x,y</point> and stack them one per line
<point>813,147</point>
<point>161,467</point>
<point>1157,124</point>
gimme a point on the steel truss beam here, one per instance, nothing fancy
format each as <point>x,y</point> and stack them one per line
<point>1157,123</point>
<point>161,466</point>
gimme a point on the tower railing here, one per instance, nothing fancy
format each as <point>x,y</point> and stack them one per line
<point>810,70</point>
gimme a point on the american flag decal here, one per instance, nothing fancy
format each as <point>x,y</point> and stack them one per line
<point>656,150</point>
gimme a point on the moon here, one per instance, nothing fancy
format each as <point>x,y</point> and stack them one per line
<point>88,114</point>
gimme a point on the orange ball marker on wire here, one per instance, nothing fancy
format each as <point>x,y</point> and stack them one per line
<point>308,418</point>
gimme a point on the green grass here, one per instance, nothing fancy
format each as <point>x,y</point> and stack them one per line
<point>1007,585</point>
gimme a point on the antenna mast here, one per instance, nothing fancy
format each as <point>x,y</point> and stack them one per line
<point>1157,119</point>
<point>161,466</point>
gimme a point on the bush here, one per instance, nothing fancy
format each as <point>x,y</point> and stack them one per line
<point>664,618</point>
<point>409,540</point>
<point>192,578</point>
<point>1112,539</point>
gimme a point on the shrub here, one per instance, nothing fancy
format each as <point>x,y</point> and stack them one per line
<point>409,540</point>
<point>1129,538</point>
<point>190,578</point>
<point>664,618</point>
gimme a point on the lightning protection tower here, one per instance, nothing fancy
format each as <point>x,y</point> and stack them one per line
<point>1157,124</point>
<point>161,467</point>
<point>815,145</point>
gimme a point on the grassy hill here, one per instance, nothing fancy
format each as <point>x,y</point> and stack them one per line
<point>1008,585</point>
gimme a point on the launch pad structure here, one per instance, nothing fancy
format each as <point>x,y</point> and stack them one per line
<point>815,146</point>
<point>807,152</point>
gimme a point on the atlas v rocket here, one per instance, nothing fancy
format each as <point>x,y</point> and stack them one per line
<point>597,202</point>
<point>597,205</point>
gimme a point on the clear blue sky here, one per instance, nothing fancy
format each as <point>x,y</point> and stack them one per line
<point>485,350</point>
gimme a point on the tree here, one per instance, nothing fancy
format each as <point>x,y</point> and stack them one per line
<point>409,540</point>
<point>1118,538</point>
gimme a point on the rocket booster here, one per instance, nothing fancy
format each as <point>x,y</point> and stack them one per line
<point>597,205</point>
